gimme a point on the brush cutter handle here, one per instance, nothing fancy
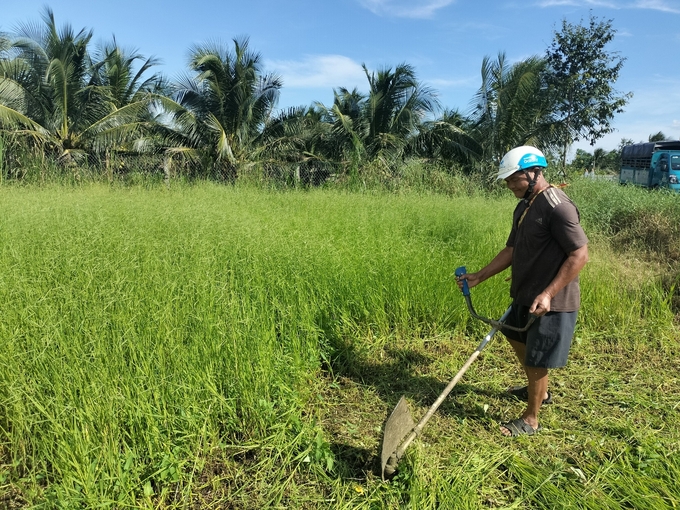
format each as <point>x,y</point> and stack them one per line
<point>460,271</point>
<point>498,324</point>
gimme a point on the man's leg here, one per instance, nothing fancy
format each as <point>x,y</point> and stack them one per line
<point>537,387</point>
<point>538,390</point>
<point>520,351</point>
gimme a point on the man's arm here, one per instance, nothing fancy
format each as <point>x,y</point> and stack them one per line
<point>499,263</point>
<point>570,269</point>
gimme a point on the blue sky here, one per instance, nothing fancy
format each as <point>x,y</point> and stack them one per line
<point>316,45</point>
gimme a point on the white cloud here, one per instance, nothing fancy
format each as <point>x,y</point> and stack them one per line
<point>670,6</point>
<point>577,3</point>
<point>319,71</point>
<point>405,8</point>
<point>658,5</point>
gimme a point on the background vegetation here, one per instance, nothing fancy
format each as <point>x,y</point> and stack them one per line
<point>66,104</point>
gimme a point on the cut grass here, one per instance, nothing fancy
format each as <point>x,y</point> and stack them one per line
<point>609,441</point>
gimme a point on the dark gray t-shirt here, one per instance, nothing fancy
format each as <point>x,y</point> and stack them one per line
<point>548,232</point>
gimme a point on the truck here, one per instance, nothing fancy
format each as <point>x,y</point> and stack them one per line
<point>653,165</point>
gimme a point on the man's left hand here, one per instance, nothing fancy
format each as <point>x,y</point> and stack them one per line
<point>541,304</point>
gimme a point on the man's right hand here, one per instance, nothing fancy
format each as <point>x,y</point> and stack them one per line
<point>472,279</point>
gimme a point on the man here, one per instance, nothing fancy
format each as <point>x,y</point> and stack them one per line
<point>547,249</point>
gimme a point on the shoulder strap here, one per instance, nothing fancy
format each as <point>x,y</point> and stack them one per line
<point>521,219</point>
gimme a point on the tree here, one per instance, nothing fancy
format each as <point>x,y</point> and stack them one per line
<point>449,138</point>
<point>580,75</point>
<point>383,124</point>
<point>511,107</point>
<point>50,89</point>
<point>397,104</point>
<point>583,161</point>
<point>657,137</point>
<point>295,145</point>
<point>48,78</point>
<point>599,162</point>
<point>124,82</point>
<point>623,143</point>
<point>219,113</point>
<point>599,158</point>
<point>349,127</point>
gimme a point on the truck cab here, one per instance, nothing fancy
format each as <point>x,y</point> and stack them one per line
<point>674,171</point>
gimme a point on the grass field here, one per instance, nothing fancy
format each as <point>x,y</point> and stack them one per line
<point>215,347</point>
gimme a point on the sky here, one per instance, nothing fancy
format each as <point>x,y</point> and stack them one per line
<point>318,45</point>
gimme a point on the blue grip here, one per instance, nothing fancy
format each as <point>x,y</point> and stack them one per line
<point>459,272</point>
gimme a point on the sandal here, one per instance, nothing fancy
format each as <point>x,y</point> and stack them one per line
<point>522,393</point>
<point>519,427</point>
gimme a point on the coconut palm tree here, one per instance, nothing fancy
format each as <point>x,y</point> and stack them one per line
<point>44,83</point>
<point>295,145</point>
<point>53,91</point>
<point>218,113</point>
<point>133,92</point>
<point>349,127</point>
<point>125,82</point>
<point>449,138</point>
<point>396,106</point>
<point>511,108</point>
<point>382,123</point>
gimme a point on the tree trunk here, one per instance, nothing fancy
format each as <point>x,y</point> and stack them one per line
<point>565,147</point>
<point>167,170</point>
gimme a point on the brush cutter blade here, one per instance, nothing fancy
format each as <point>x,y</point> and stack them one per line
<point>397,426</point>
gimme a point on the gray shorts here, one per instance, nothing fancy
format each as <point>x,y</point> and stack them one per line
<point>548,340</point>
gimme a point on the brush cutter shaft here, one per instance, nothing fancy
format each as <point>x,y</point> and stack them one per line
<point>418,428</point>
<point>421,424</point>
<point>399,431</point>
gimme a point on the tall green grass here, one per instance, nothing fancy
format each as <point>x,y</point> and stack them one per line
<point>175,347</point>
<point>632,217</point>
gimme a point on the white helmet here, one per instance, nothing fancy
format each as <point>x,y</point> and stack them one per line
<point>520,158</point>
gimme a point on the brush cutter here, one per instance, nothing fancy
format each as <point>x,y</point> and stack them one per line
<point>400,430</point>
